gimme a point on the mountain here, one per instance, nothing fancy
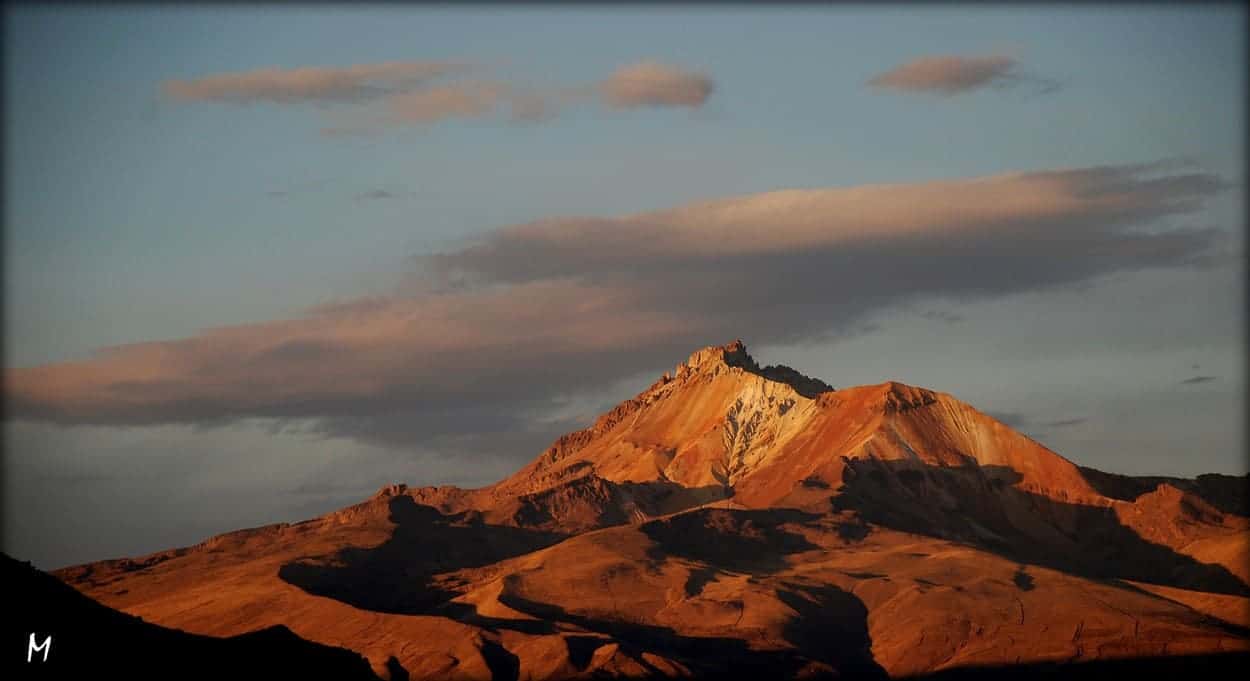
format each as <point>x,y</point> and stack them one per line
<point>734,520</point>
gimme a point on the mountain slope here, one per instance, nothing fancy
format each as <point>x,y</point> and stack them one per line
<point>721,419</point>
<point>721,428</point>
<point>735,517</point>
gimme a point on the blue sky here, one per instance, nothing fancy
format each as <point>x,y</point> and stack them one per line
<point>131,217</point>
<point>124,207</point>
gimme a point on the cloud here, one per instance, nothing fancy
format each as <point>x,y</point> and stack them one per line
<point>406,93</point>
<point>489,338</point>
<point>1002,222</point>
<point>457,100</point>
<point>1198,379</point>
<point>1065,423</point>
<point>651,84</point>
<point>949,75</point>
<point>461,100</point>
<point>311,84</point>
<point>646,84</point>
<point>1030,426</point>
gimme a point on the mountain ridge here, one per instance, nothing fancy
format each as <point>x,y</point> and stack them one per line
<point>730,517</point>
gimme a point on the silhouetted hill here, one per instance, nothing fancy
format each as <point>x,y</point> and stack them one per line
<point>90,640</point>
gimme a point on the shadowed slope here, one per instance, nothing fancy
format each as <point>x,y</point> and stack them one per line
<point>394,577</point>
<point>666,587</point>
<point>89,638</point>
<point>1227,493</point>
<point>981,506</point>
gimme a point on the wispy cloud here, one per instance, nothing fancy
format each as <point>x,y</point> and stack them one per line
<point>1031,426</point>
<point>1065,423</point>
<point>949,75</point>
<point>457,100</point>
<point>651,84</point>
<point>492,334</point>
<point>991,221</point>
<point>424,93</point>
<point>311,84</point>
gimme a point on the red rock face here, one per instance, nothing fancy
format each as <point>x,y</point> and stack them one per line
<point>734,519</point>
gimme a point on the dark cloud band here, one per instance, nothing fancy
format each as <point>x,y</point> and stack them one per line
<point>493,333</point>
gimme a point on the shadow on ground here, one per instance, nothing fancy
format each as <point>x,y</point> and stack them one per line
<point>1228,493</point>
<point>830,638</point>
<point>395,576</point>
<point>979,505</point>
<point>741,540</point>
<point>971,504</point>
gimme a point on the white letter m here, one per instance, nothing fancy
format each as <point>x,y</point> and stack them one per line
<point>45,647</point>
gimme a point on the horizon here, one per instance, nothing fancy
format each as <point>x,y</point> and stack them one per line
<point>260,264</point>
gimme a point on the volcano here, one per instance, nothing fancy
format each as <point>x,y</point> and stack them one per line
<point>741,521</point>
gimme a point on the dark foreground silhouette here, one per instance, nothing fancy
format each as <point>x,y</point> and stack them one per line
<point>90,640</point>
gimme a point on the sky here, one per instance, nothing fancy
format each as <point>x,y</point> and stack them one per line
<point>262,260</point>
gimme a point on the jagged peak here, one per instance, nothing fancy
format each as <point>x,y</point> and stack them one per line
<point>392,490</point>
<point>734,354</point>
<point>731,354</point>
<point>704,361</point>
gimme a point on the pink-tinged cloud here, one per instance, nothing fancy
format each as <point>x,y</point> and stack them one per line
<point>952,75</point>
<point>427,350</point>
<point>455,100</point>
<point>501,328</point>
<point>645,84</point>
<point>422,93</point>
<point>312,84</point>
<point>650,84</point>
<point>459,100</point>
<point>1064,211</point>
